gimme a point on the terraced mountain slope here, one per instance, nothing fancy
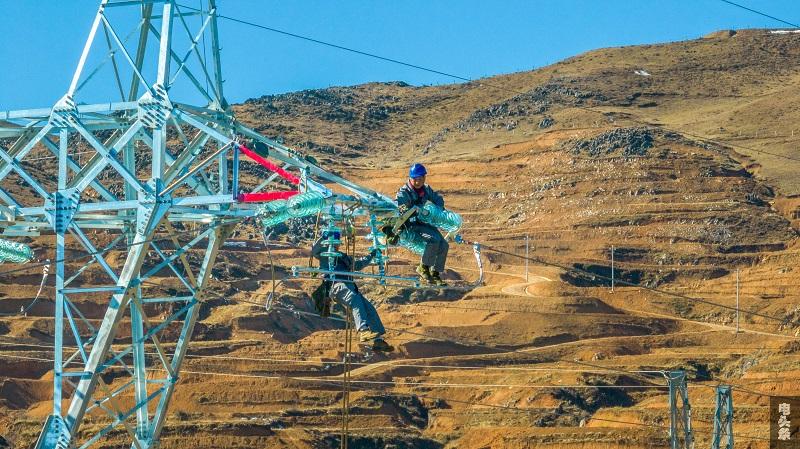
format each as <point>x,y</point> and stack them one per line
<point>573,156</point>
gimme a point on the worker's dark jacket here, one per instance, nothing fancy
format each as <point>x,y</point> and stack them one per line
<point>343,262</point>
<point>408,197</point>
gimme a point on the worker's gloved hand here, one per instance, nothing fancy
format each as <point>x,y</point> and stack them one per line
<point>388,229</point>
<point>402,208</point>
<point>260,148</point>
<point>321,298</point>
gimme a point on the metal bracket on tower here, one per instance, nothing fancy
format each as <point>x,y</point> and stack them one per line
<point>723,419</point>
<point>54,434</point>
<point>60,209</point>
<point>151,206</point>
<point>64,113</point>
<point>154,108</point>
<point>680,412</point>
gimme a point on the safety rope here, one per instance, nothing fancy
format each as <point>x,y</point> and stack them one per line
<point>45,272</point>
<point>348,345</point>
<point>271,296</point>
<point>349,250</point>
<point>23,310</point>
<point>314,239</point>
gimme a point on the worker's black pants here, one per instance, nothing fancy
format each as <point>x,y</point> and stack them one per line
<point>436,247</point>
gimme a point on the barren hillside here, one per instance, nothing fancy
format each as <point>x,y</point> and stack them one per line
<point>580,156</point>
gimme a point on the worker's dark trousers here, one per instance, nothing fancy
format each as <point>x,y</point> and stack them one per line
<point>436,247</point>
<point>364,314</point>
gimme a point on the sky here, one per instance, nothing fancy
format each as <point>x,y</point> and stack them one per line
<point>43,39</point>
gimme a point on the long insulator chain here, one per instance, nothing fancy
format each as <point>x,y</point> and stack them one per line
<point>440,218</point>
<point>15,252</point>
<point>278,211</point>
<point>412,241</point>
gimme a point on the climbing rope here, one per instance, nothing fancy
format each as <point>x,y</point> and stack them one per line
<point>45,272</point>
<point>346,386</point>
<point>23,310</point>
<point>350,250</point>
<point>314,239</point>
<point>271,296</point>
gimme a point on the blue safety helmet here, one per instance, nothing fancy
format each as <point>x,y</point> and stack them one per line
<point>417,170</point>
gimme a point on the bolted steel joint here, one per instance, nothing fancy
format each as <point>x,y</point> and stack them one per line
<point>64,113</point>
<point>60,209</point>
<point>154,107</point>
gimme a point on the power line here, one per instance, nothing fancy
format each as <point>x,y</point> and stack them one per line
<point>418,384</point>
<point>329,379</point>
<point>393,364</point>
<point>652,289</point>
<point>629,284</point>
<point>500,310</point>
<point>644,287</point>
<point>376,388</point>
<point>389,364</point>
<point>639,373</point>
<point>384,383</point>
<point>337,46</point>
<point>760,13</point>
<point>484,83</point>
<point>479,344</point>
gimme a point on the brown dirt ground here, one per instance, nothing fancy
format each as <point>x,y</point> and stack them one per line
<point>496,367</point>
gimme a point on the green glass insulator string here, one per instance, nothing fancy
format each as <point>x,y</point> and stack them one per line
<point>15,252</point>
<point>305,204</point>
<point>273,213</point>
<point>440,218</point>
<point>412,241</point>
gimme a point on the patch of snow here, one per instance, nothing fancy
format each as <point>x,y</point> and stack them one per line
<point>641,72</point>
<point>784,31</point>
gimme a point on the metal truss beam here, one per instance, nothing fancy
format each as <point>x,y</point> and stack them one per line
<point>723,419</point>
<point>680,412</point>
<point>161,180</point>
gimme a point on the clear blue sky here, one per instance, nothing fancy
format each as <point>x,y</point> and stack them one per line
<point>42,39</point>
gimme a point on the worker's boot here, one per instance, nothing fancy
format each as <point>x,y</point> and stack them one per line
<point>424,273</point>
<point>367,335</point>
<point>437,278</point>
<point>380,345</point>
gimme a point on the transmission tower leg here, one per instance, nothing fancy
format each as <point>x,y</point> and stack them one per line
<point>214,242</point>
<point>680,413</point>
<point>723,419</point>
<point>158,167</point>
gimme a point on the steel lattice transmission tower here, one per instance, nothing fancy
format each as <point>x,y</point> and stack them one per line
<point>680,412</point>
<point>723,419</point>
<point>160,180</point>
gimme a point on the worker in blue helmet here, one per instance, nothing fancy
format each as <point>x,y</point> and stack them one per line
<point>416,192</point>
